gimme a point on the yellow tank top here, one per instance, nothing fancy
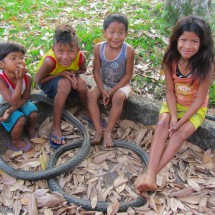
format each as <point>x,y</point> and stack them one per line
<point>58,68</point>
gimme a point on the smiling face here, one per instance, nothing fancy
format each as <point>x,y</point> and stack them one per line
<point>65,53</point>
<point>12,62</point>
<point>188,44</point>
<point>115,34</point>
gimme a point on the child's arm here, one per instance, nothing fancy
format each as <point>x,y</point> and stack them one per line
<point>96,71</point>
<point>46,68</point>
<point>82,66</point>
<point>200,98</point>
<point>25,96</point>
<point>13,98</point>
<point>22,100</point>
<point>170,97</point>
<point>42,74</point>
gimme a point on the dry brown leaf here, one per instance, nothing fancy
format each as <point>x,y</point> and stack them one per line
<point>129,124</point>
<point>39,140</point>
<point>203,204</point>
<point>186,192</point>
<point>120,188</point>
<point>140,135</point>
<point>43,159</point>
<point>48,200</point>
<point>24,200</point>
<point>48,212</point>
<point>194,200</point>
<point>102,157</point>
<point>152,203</point>
<point>17,207</point>
<point>106,192</point>
<point>193,184</point>
<point>7,199</point>
<point>120,180</point>
<point>32,205</point>
<point>94,201</point>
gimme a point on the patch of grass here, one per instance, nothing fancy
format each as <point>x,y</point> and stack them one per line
<point>32,23</point>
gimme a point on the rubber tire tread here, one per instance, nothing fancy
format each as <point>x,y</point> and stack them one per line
<point>55,171</point>
<point>210,117</point>
<point>101,205</point>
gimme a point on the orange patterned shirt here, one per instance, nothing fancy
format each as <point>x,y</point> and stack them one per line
<point>186,92</point>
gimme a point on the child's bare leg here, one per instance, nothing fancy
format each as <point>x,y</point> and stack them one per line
<point>175,142</point>
<point>147,181</point>
<point>64,88</point>
<point>16,133</point>
<point>31,126</point>
<point>93,107</point>
<point>82,89</point>
<point>116,110</point>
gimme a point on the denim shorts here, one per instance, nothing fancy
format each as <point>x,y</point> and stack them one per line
<point>50,87</point>
<point>25,111</point>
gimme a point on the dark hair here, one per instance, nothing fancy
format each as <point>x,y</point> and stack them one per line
<point>115,17</point>
<point>8,47</point>
<point>65,34</point>
<point>201,62</point>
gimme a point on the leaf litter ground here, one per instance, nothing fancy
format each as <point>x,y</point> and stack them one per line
<point>186,184</point>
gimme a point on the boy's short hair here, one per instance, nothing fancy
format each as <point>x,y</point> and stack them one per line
<point>8,47</point>
<point>65,34</point>
<point>115,17</point>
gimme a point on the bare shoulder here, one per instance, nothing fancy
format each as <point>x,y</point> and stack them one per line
<point>49,62</point>
<point>97,47</point>
<point>130,50</point>
<point>29,78</point>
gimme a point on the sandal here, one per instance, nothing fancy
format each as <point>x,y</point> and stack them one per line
<point>52,143</point>
<point>25,148</point>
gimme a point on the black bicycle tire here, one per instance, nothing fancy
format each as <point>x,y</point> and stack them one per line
<point>210,117</point>
<point>52,172</point>
<point>101,206</point>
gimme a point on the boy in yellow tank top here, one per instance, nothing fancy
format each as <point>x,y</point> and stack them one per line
<point>59,73</point>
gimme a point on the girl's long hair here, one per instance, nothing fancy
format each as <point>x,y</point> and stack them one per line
<point>201,62</point>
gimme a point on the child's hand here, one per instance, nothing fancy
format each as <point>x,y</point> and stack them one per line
<point>74,81</point>
<point>106,98</point>
<point>71,77</point>
<point>173,125</point>
<point>21,70</point>
<point>5,116</point>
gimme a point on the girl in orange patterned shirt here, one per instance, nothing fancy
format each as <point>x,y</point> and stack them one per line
<point>189,65</point>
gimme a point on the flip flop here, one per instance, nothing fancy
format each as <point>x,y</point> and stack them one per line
<point>14,148</point>
<point>90,122</point>
<point>52,143</point>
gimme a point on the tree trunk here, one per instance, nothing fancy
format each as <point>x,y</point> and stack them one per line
<point>175,9</point>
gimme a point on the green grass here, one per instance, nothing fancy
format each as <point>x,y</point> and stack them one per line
<point>32,23</point>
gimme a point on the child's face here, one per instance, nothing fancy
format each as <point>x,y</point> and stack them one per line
<point>12,62</point>
<point>65,54</point>
<point>188,44</point>
<point>115,34</point>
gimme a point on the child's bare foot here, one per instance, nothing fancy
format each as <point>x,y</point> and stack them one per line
<point>57,137</point>
<point>97,138</point>
<point>144,183</point>
<point>19,145</point>
<point>108,139</point>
